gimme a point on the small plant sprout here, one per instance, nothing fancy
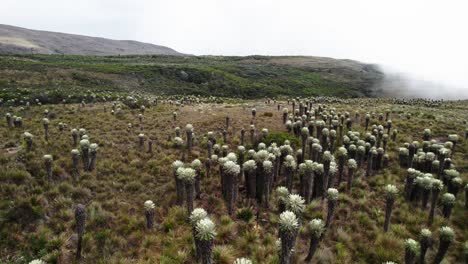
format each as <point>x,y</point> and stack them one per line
<point>446,236</point>
<point>149,213</point>
<point>205,234</point>
<point>332,197</point>
<point>80,219</point>
<point>254,112</point>
<point>288,227</point>
<point>316,229</point>
<point>48,166</point>
<point>174,116</point>
<point>411,250</point>
<point>391,193</point>
<point>28,139</point>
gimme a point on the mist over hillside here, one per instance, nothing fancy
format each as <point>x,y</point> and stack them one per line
<point>410,85</point>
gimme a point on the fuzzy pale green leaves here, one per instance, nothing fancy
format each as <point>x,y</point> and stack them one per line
<point>177,164</point>
<point>249,166</point>
<point>231,168</point>
<point>149,205</point>
<point>295,203</point>
<point>437,184</point>
<point>196,164</point>
<point>412,245</point>
<point>47,157</point>
<point>282,192</point>
<point>425,234</point>
<point>261,155</point>
<point>448,199</point>
<point>267,166</point>
<point>75,152</point>
<point>205,229</point>
<point>391,191</point>
<point>28,136</point>
<point>186,174</point>
<point>352,164</point>
<point>316,227</point>
<point>197,215</point>
<point>289,162</point>
<point>332,194</point>
<point>342,152</point>
<point>288,221</point>
<point>446,234</point>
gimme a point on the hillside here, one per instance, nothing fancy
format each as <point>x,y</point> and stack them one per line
<point>38,201</point>
<point>52,78</point>
<point>16,40</point>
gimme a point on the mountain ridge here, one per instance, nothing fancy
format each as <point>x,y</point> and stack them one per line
<point>18,40</point>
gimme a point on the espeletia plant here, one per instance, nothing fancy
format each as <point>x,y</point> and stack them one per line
<point>149,213</point>
<point>187,176</point>
<point>352,166</point>
<point>411,250</point>
<point>93,147</point>
<point>76,163</point>
<point>45,123</point>
<point>289,165</point>
<point>448,201</point>
<point>332,197</point>
<point>250,168</point>
<point>205,234</point>
<point>425,242</point>
<point>80,219</point>
<point>315,229</point>
<point>197,215</point>
<point>391,193</point>
<point>197,165</point>
<point>288,229</point>
<point>84,146</point>
<point>179,184</point>
<point>231,172</point>
<point>282,195</point>
<point>437,187</point>
<point>28,139</point>
<point>48,166</point>
<point>446,236</point>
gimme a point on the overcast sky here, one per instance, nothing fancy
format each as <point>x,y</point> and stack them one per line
<point>427,39</point>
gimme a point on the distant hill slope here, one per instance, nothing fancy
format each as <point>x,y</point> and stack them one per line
<point>33,76</point>
<point>16,40</point>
